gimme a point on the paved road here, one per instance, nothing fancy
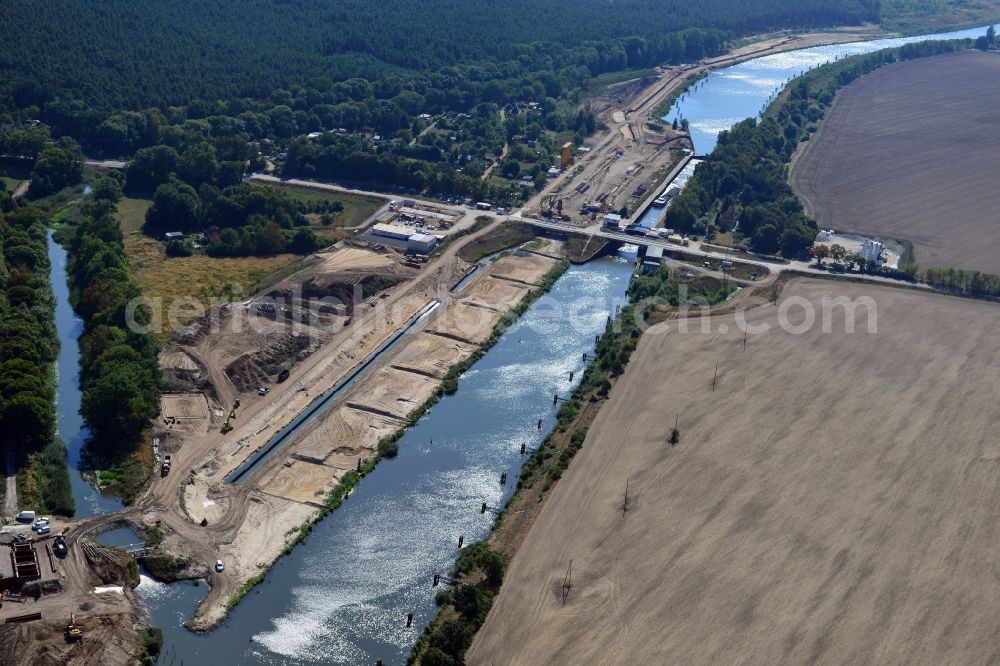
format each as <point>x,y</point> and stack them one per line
<point>106,164</point>
<point>10,498</point>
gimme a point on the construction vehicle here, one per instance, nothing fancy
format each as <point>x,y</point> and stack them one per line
<point>228,425</point>
<point>73,631</point>
<point>165,467</point>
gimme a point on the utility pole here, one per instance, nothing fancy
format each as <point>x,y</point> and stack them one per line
<point>716,377</point>
<point>567,581</point>
<point>625,503</point>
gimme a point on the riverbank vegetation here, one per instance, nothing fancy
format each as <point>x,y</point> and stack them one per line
<point>119,368</point>
<point>28,350</point>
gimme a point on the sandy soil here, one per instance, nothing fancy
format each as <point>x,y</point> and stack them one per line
<point>910,151</point>
<point>832,501</point>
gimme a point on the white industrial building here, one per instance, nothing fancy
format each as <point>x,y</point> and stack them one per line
<point>613,220</point>
<point>421,244</point>
<point>392,231</point>
<point>871,250</point>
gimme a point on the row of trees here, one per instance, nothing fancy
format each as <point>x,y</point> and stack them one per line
<point>119,368</point>
<point>28,350</point>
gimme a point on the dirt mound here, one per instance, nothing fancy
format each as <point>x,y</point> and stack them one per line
<point>251,371</point>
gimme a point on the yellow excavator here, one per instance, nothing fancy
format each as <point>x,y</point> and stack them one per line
<point>73,631</point>
<point>228,425</point>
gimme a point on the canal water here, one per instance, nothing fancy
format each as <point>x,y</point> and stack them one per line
<point>69,423</point>
<point>342,596</point>
<point>727,96</point>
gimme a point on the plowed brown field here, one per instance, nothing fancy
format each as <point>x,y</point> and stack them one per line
<point>911,151</point>
<point>833,500</point>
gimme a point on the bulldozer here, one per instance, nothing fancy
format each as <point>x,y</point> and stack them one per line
<point>73,631</point>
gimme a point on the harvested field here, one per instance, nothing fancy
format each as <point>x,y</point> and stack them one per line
<point>911,152</point>
<point>833,500</point>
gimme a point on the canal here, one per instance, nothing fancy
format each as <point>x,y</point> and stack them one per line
<point>727,96</point>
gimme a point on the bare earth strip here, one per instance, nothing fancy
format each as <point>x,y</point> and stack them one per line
<point>834,500</point>
<point>911,151</point>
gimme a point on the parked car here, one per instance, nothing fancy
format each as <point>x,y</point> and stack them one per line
<point>41,522</point>
<point>44,529</point>
<point>219,566</point>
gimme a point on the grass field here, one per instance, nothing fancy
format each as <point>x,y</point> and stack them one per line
<point>832,500</point>
<point>357,207</point>
<point>911,151</point>
<point>13,173</point>
<point>198,276</point>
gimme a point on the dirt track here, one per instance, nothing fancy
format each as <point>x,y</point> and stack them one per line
<point>811,513</point>
<point>911,151</point>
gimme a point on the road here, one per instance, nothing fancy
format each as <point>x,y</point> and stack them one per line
<point>10,478</point>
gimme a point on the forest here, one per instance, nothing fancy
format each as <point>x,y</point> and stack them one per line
<point>184,50</point>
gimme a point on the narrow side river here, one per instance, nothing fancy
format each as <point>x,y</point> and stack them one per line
<point>69,423</point>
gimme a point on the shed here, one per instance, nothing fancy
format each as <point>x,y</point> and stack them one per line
<point>421,243</point>
<point>173,235</point>
<point>653,258</point>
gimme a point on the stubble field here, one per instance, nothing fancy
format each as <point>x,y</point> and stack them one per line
<point>833,500</point>
<point>911,152</point>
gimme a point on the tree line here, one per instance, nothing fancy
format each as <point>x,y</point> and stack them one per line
<point>119,367</point>
<point>28,350</point>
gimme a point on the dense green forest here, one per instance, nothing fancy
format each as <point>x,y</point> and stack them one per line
<point>745,178</point>
<point>119,54</point>
<point>28,350</point>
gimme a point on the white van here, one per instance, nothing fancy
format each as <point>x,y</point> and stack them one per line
<point>26,517</point>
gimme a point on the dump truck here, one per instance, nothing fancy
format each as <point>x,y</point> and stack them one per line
<point>165,467</point>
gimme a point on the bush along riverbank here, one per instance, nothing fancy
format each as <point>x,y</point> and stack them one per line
<point>388,446</point>
<point>463,609</point>
<point>119,364</point>
<point>29,346</point>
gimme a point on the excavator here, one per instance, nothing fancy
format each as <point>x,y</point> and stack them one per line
<point>228,425</point>
<point>73,631</point>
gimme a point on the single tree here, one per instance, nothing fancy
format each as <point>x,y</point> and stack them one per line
<point>820,252</point>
